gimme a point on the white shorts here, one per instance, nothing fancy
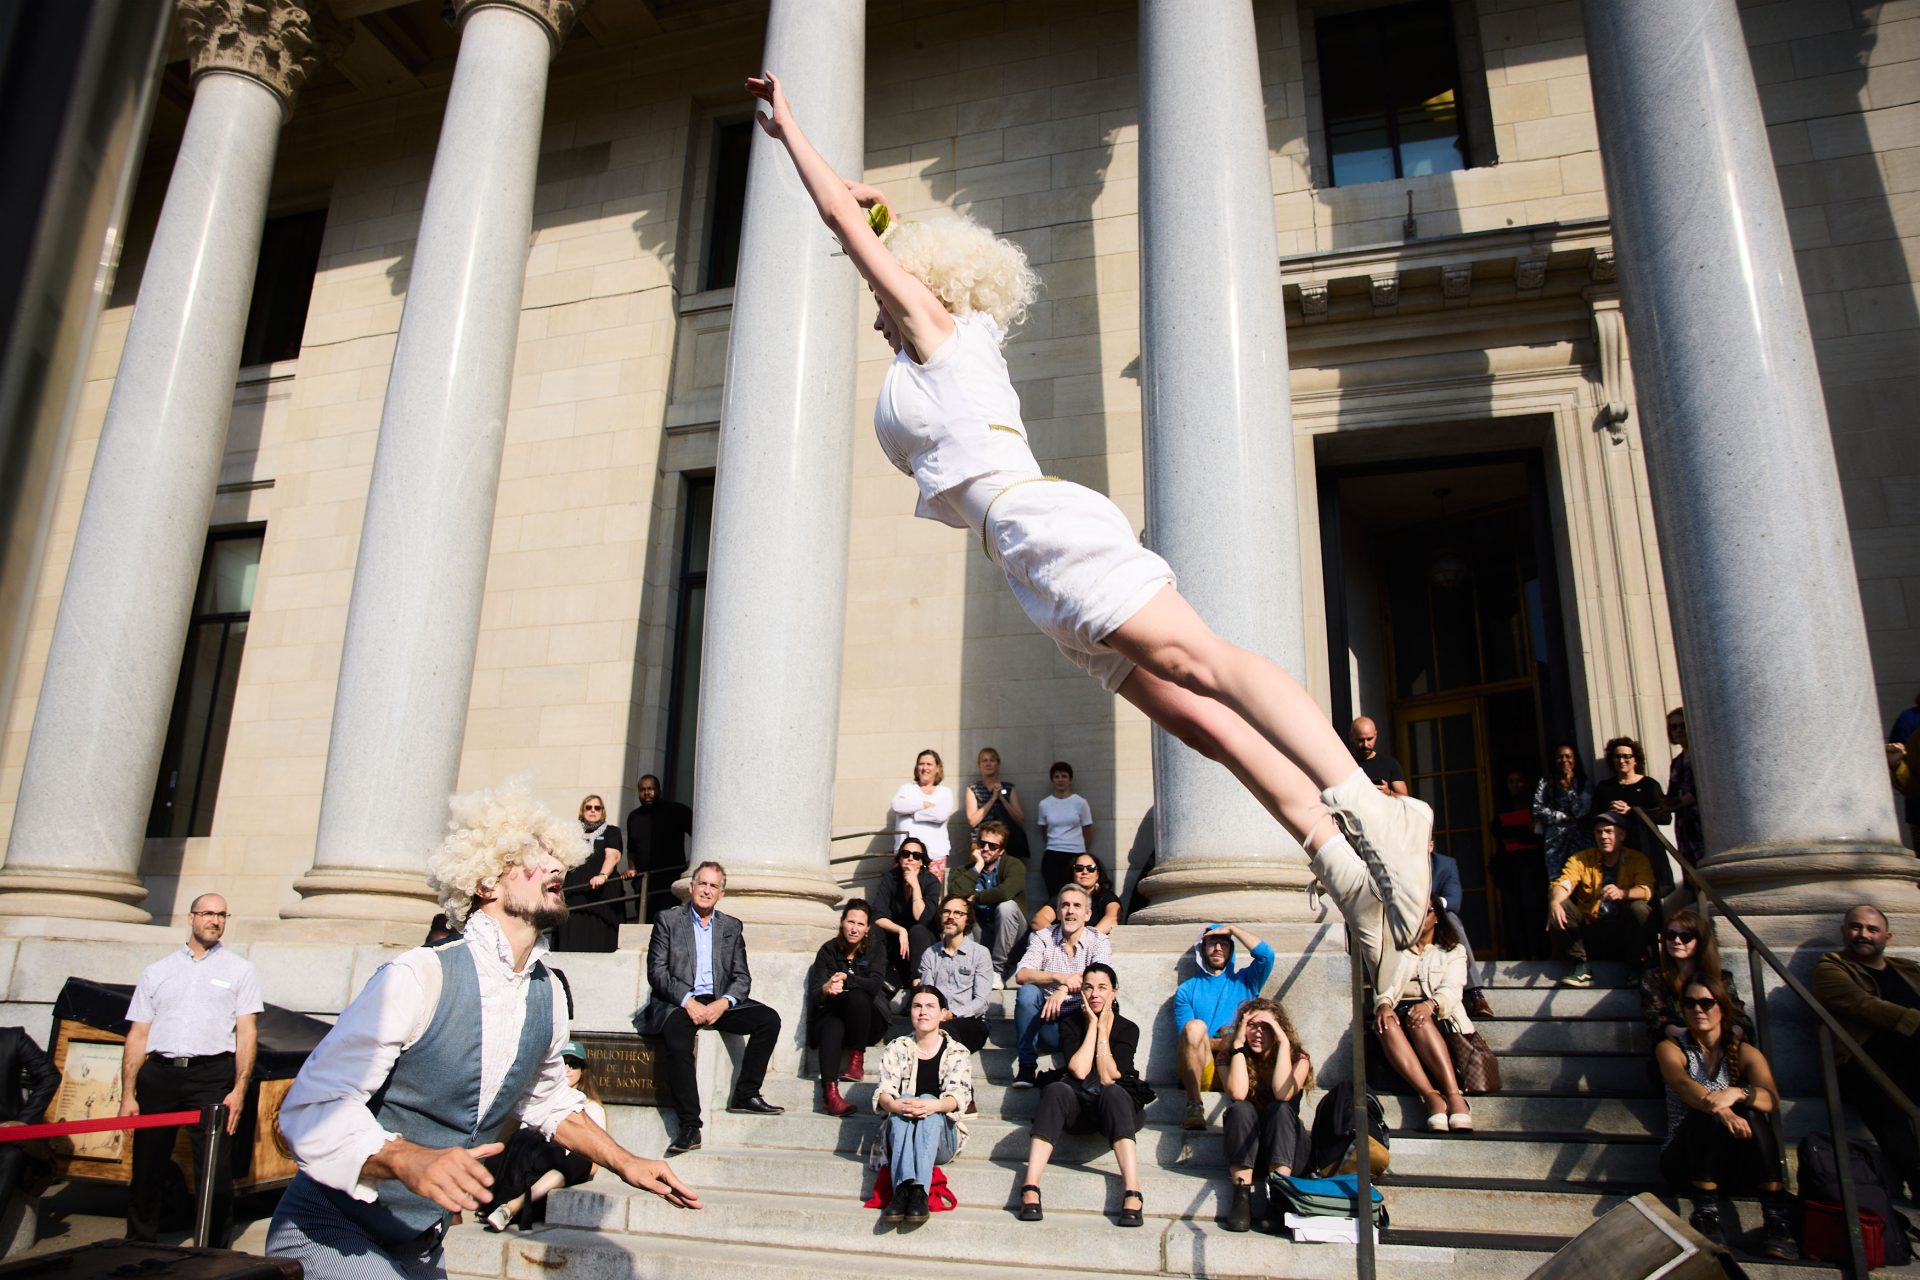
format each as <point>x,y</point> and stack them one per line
<point>1076,567</point>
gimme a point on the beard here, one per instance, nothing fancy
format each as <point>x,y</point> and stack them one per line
<point>537,914</point>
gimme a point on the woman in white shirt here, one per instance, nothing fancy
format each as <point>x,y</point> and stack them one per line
<point>921,809</point>
<point>1408,1014</point>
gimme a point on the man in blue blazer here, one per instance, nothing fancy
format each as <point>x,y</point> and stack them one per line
<point>698,976</point>
<point>1447,890</point>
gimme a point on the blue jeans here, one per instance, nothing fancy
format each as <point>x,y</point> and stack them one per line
<point>1033,1032</point>
<point>915,1146</point>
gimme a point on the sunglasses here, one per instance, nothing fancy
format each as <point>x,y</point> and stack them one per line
<point>1679,935</point>
<point>991,848</point>
<point>1085,866</point>
<point>1622,755</point>
<point>1700,1003</point>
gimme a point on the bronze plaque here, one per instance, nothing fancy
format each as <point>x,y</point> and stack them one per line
<point>621,1066</point>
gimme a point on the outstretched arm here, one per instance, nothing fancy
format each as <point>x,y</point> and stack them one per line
<point>923,322</point>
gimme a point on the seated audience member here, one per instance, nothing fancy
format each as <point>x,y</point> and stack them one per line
<point>1205,1007</point>
<point>1086,871</point>
<point>698,977</point>
<point>1267,1073</point>
<point>1049,978</point>
<point>28,1081</point>
<point>848,1009</point>
<point>1687,947</point>
<point>439,931</point>
<point>1409,1010</point>
<point>1610,890</point>
<point>1100,1091</point>
<point>1448,893</point>
<point>1876,997</point>
<point>906,909</point>
<point>926,1086</point>
<point>962,972</point>
<point>996,884</point>
<point>532,1167</point>
<point>1718,1093</point>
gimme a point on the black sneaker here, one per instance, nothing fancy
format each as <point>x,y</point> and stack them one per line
<point>1705,1219</point>
<point>689,1140</point>
<point>1026,1077</point>
<point>1776,1237</point>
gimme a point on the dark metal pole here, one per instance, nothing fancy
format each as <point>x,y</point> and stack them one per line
<point>213,1132</point>
<point>1362,1118</point>
<point>1842,1157</point>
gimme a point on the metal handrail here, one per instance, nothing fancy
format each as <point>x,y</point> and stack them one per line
<point>1830,1031</point>
<point>1362,1116</point>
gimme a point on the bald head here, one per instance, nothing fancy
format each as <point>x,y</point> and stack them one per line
<point>207,919</point>
<point>1864,935</point>
<point>1363,735</point>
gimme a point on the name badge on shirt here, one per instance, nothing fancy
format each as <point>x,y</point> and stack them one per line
<point>221,983</point>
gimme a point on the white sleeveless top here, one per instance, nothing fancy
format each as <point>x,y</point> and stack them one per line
<point>953,424</point>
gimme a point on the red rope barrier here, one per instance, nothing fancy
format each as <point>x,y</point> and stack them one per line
<point>20,1133</point>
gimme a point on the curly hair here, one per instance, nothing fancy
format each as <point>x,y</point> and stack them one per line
<point>491,831</point>
<point>1632,744</point>
<point>967,267</point>
<point>1265,1063</point>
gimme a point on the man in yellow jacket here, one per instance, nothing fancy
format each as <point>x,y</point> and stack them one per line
<point>1610,889</point>
<point>1876,997</point>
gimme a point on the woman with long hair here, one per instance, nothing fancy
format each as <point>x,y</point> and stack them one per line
<point>947,414</point>
<point>1267,1073</point>
<point>1560,802</point>
<point>847,1008</point>
<point>921,808</point>
<point>1719,1092</point>
<point>1427,991</point>
<point>906,909</point>
<point>1687,947</point>
<point>590,925</point>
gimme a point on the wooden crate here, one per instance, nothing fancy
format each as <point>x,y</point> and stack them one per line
<point>89,1063</point>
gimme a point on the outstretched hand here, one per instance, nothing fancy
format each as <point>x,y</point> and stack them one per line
<point>779,115</point>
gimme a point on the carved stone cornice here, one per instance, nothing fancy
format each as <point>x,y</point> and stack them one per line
<point>1313,301</point>
<point>275,42</point>
<point>557,16</point>
<point>1610,350</point>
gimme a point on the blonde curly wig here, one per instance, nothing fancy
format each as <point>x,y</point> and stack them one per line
<point>490,832</point>
<point>968,268</point>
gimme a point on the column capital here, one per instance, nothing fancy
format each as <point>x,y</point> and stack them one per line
<point>557,16</point>
<point>274,42</point>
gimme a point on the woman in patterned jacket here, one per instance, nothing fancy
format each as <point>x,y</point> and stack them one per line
<point>926,1082</point>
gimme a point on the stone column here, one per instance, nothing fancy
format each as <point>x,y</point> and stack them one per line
<point>1219,432</point>
<point>1746,497</point>
<point>400,711</point>
<point>101,720</point>
<point>776,592</point>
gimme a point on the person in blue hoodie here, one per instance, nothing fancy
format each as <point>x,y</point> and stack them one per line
<point>1205,1004</point>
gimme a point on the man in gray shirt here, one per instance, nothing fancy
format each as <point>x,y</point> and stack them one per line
<point>961,970</point>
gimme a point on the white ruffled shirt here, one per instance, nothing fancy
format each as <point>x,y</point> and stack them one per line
<point>325,1116</point>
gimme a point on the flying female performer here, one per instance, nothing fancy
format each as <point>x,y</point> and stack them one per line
<point>947,415</point>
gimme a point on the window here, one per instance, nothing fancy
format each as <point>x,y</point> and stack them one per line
<point>683,710</point>
<point>729,205</point>
<point>1391,93</point>
<point>196,744</point>
<point>282,287</point>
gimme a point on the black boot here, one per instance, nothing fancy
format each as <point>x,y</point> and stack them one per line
<point>1705,1219</point>
<point>1240,1212</point>
<point>1776,1230</point>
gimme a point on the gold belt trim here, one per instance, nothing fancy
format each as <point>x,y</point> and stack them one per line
<point>986,517</point>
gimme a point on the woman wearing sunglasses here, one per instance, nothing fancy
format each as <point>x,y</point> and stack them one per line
<point>906,910</point>
<point>1086,871</point>
<point>1719,1092</point>
<point>1687,947</point>
<point>591,926</point>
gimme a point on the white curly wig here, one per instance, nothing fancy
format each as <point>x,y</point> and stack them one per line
<point>968,267</point>
<point>492,831</point>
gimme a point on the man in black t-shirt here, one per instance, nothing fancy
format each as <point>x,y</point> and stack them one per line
<point>1380,767</point>
<point>1876,997</point>
<point>657,833</point>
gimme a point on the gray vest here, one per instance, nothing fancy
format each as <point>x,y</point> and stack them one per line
<point>432,1096</point>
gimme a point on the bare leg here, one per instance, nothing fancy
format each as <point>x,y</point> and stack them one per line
<point>1431,1046</point>
<point>1241,1174</point>
<point>547,1183</point>
<point>1196,1046</point>
<point>1127,1152</point>
<point>1401,1056</point>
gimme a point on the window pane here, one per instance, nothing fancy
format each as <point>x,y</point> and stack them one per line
<point>227,578</point>
<point>1389,91</point>
<point>173,801</point>
<point>219,720</point>
<point>686,691</point>
<point>282,287</point>
<point>1359,151</point>
<point>732,144</point>
<point>699,525</point>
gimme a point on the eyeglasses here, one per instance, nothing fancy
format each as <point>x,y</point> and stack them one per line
<point>208,915</point>
<point>1621,755</point>
<point>1701,1003</point>
<point>1679,935</point>
<point>991,848</point>
<point>1085,866</point>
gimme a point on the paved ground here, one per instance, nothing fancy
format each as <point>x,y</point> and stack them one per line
<point>78,1213</point>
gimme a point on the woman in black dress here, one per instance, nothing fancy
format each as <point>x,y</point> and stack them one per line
<point>847,1008</point>
<point>590,926</point>
<point>1625,789</point>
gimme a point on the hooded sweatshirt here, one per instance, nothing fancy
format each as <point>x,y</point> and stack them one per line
<point>1215,998</point>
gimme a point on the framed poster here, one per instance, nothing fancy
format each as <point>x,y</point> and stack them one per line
<point>89,1090</point>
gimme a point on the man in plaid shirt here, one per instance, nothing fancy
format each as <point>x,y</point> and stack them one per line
<point>1049,977</point>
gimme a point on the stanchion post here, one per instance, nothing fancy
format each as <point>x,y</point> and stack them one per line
<point>213,1132</point>
<point>1362,1124</point>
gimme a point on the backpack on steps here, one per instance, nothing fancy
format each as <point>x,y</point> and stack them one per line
<point>1872,1175</point>
<point>1331,1148</point>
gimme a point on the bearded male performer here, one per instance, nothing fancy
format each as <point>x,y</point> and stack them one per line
<point>394,1111</point>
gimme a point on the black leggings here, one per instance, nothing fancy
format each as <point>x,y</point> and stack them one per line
<point>1260,1140</point>
<point>842,1022</point>
<point>1064,1109</point>
<point>971,1032</point>
<point>1704,1151</point>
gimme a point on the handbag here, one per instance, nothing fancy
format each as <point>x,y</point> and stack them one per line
<point>1823,1234</point>
<point>1473,1061</point>
<point>940,1197</point>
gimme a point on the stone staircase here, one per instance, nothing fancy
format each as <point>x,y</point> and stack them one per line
<point>1575,1132</point>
